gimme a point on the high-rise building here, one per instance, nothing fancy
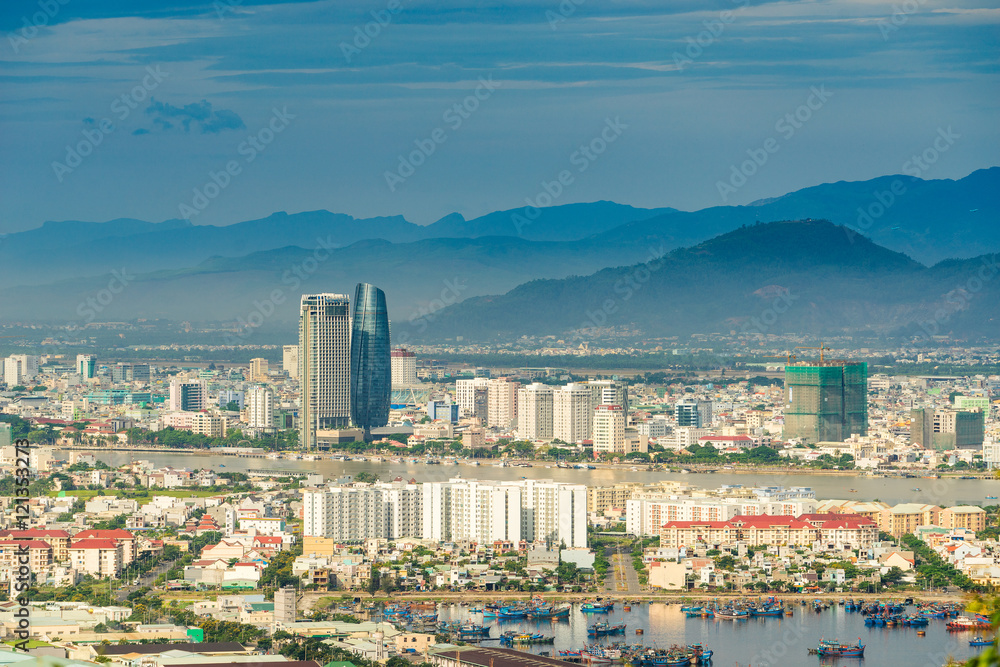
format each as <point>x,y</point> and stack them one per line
<point>609,429</point>
<point>227,396</point>
<point>946,428</point>
<point>371,378</point>
<point>188,395</point>
<point>571,413</point>
<point>385,510</point>
<point>540,511</point>
<point>502,409</point>
<point>466,397</point>
<point>980,403</point>
<point>534,412</point>
<point>324,364</point>
<point>404,368</point>
<point>687,413</point>
<point>826,401</point>
<point>290,360</point>
<point>258,370</point>
<point>260,405</point>
<point>86,365</point>
<point>20,368</point>
<point>608,392</point>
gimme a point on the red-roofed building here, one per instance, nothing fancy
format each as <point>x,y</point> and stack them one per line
<point>122,537</point>
<point>760,530</point>
<point>39,554</point>
<point>844,531</point>
<point>267,542</point>
<point>96,556</point>
<point>57,539</point>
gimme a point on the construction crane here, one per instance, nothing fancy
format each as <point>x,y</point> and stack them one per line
<point>821,348</point>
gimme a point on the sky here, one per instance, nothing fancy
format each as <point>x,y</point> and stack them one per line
<point>229,111</point>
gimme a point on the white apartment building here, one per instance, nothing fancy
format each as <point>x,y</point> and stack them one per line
<point>465,394</point>
<point>260,408</point>
<point>571,413</point>
<point>324,364</point>
<point>502,407</point>
<point>534,412</point>
<point>655,427</point>
<point>540,511</point>
<point>86,366</point>
<point>609,429</point>
<point>403,367</point>
<point>290,360</point>
<point>20,368</point>
<point>349,513</point>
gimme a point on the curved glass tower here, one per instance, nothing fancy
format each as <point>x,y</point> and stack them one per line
<point>371,375</point>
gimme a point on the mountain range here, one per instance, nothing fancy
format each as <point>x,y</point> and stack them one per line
<point>179,271</point>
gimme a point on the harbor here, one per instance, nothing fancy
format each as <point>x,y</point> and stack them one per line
<point>756,631</point>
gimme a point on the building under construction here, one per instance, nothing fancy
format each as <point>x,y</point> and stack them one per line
<point>826,401</point>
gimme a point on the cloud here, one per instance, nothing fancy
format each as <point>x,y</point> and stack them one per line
<point>197,114</point>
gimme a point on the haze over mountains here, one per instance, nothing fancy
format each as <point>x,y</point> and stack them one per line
<point>186,272</point>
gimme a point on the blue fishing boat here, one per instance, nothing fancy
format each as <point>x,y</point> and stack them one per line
<point>980,641</point>
<point>602,629</point>
<point>597,607</point>
<point>835,648</point>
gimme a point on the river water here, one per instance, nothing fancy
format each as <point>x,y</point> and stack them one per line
<point>760,642</point>
<point>944,492</point>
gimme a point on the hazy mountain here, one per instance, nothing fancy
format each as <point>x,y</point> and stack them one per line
<point>556,223</point>
<point>74,249</point>
<point>928,220</point>
<point>803,277</point>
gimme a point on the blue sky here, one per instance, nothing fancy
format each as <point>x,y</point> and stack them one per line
<point>275,106</point>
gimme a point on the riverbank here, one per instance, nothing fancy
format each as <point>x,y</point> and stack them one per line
<point>533,463</point>
<point>664,597</point>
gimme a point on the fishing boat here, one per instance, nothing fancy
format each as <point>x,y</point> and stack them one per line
<point>730,613</point>
<point>835,648</point>
<point>569,654</point>
<point>991,498</point>
<point>968,623</point>
<point>475,630</point>
<point>700,654</point>
<point>600,655</point>
<point>980,641</point>
<point>602,629</point>
<point>597,607</point>
<point>507,613</point>
<point>546,612</point>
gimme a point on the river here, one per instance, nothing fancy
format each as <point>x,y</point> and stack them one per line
<point>944,492</point>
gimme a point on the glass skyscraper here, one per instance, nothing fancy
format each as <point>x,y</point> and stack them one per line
<point>371,369</point>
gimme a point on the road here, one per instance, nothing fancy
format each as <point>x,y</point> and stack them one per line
<point>145,580</point>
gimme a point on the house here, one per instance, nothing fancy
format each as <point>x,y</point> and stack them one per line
<point>121,537</point>
<point>98,557</point>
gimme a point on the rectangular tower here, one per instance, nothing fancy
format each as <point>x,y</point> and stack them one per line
<point>324,364</point>
<point>826,401</point>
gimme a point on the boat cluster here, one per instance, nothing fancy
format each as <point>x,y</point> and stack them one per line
<point>637,655</point>
<point>738,609</point>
